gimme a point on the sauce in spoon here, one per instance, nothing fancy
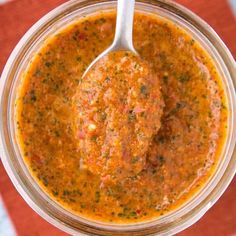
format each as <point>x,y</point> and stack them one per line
<point>119,106</point>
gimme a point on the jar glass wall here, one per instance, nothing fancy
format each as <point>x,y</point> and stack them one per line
<point>170,223</point>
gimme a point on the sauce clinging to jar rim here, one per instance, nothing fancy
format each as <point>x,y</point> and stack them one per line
<point>180,157</point>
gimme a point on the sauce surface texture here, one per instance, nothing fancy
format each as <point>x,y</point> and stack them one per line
<point>121,150</point>
<point>118,109</point>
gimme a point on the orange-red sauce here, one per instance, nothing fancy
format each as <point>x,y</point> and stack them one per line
<point>102,148</point>
<point>117,107</point>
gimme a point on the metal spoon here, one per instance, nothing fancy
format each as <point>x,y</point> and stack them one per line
<point>123,39</point>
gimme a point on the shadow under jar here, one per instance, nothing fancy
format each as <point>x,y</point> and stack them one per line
<point>36,195</point>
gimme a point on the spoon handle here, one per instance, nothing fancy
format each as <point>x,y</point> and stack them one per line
<point>124,25</point>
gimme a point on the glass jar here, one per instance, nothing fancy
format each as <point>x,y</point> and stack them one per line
<point>171,223</point>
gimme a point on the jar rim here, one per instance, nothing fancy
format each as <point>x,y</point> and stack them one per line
<point>13,67</point>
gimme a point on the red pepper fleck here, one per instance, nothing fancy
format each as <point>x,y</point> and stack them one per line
<point>82,36</point>
<point>81,134</point>
<point>138,211</point>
